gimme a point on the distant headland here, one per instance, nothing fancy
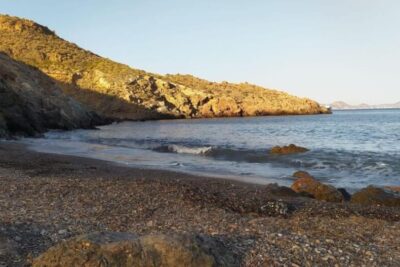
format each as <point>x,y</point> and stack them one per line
<point>340,105</point>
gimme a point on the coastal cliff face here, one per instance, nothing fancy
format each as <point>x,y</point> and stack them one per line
<point>117,91</point>
<point>31,102</point>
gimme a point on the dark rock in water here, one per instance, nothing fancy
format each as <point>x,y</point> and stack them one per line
<point>346,195</point>
<point>286,150</point>
<point>376,196</point>
<point>124,249</point>
<point>31,102</point>
<point>309,185</point>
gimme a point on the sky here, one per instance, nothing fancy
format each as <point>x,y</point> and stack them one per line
<point>322,49</point>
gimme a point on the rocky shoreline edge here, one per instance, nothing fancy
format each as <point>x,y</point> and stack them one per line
<point>61,204</point>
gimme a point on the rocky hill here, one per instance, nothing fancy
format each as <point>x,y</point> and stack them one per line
<point>120,92</point>
<point>246,99</point>
<point>31,102</point>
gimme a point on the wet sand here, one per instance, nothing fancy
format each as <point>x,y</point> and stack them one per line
<point>46,198</point>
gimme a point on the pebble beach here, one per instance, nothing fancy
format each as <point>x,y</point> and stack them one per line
<point>47,198</point>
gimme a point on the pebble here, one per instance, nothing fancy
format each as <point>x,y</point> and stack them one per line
<point>314,234</point>
<point>62,232</point>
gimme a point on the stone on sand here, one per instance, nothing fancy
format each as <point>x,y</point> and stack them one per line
<point>125,249</point>
<point>309,185</point>
<point>376,196</point>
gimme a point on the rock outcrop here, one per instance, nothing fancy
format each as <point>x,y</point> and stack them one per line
<point>246,99</point>
<point>31,102</point>
<point>376,196</point>
<point>287,150</point>
<point>117,91</point>
<point>309,185</point>
<point>124,249</point>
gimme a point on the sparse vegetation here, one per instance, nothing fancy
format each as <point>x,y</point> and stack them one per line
<point>81,72</point>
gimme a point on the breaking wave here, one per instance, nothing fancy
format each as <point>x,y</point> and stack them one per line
<point>180,149</point>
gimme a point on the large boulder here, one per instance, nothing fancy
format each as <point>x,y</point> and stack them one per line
<point>307,184</point>
<point>286,150</point>
<point>124,249</point>
<point>376,196</point>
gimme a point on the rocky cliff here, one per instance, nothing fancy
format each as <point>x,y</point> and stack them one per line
<point>118,91</point>
<point>31,102</point>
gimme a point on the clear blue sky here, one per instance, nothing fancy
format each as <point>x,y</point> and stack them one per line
<point>324,49</point>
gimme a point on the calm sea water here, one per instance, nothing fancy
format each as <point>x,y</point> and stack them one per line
<point>348,149</point>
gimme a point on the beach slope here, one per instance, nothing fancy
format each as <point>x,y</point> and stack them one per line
<point>47,198</point>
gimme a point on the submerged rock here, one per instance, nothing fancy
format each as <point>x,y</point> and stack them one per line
<point>286,150</point>
<point>125,249</point>
<point>376,196</point>
<point>307,184</point>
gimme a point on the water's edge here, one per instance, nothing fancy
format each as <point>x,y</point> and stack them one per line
<point>349,149</point>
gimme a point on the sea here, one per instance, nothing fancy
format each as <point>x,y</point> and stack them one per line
<point>350,149</point>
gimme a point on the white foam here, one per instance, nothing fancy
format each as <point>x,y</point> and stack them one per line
<point>189,150</point>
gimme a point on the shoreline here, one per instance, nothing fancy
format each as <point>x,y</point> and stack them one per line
<point>147,171</point>
<point>253,180</point>
<point>48,198</point>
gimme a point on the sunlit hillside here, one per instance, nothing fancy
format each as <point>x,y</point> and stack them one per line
<point>119,91</point>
